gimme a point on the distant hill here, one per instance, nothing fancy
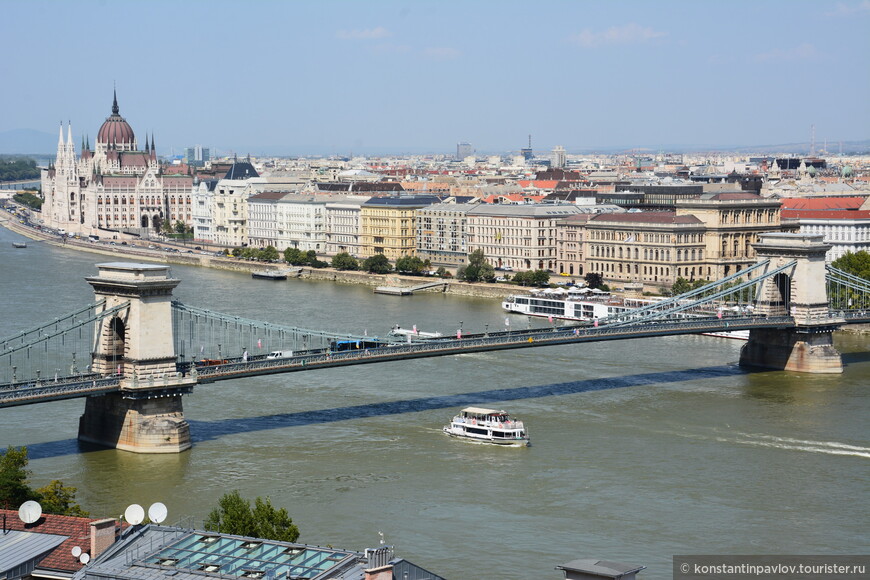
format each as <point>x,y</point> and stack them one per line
<point>28,142</point>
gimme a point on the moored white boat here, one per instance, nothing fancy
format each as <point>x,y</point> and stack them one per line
<point>488,426</point>
<point>412,332</point>
<point>585,305</point>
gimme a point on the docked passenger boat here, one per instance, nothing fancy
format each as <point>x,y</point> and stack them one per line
<point>488,426</point>
<point>19,244</point>
<point>269,275</point>
<point>585,305</point>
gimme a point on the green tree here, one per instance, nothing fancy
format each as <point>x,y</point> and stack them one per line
<point>56,498</point>
<point>594,280</point>
<point>29,199</point>
<point>441,271</point>
<point>180,227</point>
<point>295,257</point>
<point>234,515</point>
<point>857,264</point>
<point>13,477</point>
<point>269,253</point>
<point>409,265</point>
<point>344,261</point>
<point>478,268</point>
<point>377,264</point>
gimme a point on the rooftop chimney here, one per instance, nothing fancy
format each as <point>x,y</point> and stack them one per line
<point>102,536</point>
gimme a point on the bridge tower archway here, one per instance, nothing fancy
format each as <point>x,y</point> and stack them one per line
<point>799,292</point>
<point>137,344</point>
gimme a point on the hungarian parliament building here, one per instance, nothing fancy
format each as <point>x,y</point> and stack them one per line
<point>116,185</point>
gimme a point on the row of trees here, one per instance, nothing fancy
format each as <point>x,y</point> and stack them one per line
<point>12,169</point>
<point>30,198</point>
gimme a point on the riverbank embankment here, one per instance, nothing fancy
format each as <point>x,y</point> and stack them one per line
<point>209,260</point>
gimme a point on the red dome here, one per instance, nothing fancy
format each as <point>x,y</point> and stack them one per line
<point>116,130</point>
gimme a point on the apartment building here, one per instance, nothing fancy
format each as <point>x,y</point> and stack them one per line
<point>388,225</point>
<point>521,237</point>
<point>442,232</point>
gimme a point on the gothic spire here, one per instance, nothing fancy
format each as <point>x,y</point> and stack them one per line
<point>115,108</point>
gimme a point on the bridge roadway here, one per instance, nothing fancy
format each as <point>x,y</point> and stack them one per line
<point>84,385</point>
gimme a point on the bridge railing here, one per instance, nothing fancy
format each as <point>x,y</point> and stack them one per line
<point>489,341</point>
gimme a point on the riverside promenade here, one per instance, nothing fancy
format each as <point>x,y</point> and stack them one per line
<point>188,257</point>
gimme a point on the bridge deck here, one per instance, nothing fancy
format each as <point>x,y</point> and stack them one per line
<point>80,386</point>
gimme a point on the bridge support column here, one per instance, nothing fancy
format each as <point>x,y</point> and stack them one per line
<point>146,416</point>
<point>793,349</point>
<point>808,347</point>
<point>143,425</point>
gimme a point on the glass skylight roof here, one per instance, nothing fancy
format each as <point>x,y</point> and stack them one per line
<point>246,558</point>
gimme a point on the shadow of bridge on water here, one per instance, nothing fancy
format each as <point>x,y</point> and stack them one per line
<point>209,430</point>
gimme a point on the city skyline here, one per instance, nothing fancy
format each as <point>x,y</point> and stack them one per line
<point>338,78</point>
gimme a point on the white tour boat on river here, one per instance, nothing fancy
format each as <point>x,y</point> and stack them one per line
<point>584,305</point>
<point>488,426</point>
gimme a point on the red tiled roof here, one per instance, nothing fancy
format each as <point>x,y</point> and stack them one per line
<point>822,203</point>
<point>831,214</point>
<point>77,530</point>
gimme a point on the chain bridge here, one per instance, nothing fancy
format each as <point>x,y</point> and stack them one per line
<point>134,352</point>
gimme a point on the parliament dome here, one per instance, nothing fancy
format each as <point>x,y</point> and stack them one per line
<point>116,131</point>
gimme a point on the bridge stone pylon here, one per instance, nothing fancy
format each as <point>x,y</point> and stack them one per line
<point>146,416</point>
<point>800,293</point>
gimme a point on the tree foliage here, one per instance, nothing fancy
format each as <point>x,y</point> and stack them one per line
<point>234,515</point>
<point>594,280</point>
<point>13,477</point>
<point>477,269</point>
<point>18,169</point>
<point>55,498</point>
<point>344,261</point>
<point>410,265</point>
<point>532,278</point>
<point>29,199</point>
<point>857,264</point>
<point>377,264</point>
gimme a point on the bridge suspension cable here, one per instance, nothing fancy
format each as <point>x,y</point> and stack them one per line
<point>78,323</point>
<point>709,293</point>
<point>215,335</point>
<point>846,291</point>
<point>38,329</point>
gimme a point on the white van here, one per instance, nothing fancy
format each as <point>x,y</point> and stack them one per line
<point>280,354</point>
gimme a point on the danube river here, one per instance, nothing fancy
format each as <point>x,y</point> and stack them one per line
<point>640,449</point>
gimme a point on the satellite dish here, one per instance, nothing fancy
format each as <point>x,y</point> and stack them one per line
<point>134,514</point>
<point>85,558</point>
<point>157,512</point>
<point>30,511</point>
<point>76,551</point>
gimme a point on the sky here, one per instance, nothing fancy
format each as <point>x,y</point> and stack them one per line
<point>326,77</point>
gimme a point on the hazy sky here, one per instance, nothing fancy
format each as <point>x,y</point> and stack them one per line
<point>330,77</point>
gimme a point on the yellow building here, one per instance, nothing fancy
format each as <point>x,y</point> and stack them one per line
<point>388,225</point>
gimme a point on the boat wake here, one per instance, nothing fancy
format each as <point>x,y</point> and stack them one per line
<point>828,447</point>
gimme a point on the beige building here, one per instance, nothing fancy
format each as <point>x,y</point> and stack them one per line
<point>706,238</point>
<point>519,237</point>
<point>733,222</point>
<point>652,248</point>
<point>388,225</point>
